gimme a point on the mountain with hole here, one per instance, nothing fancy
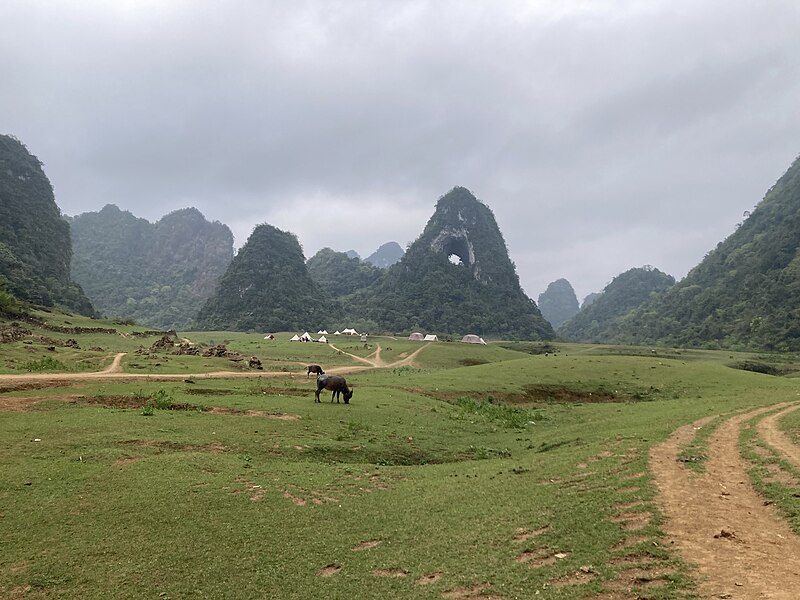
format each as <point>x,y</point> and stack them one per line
<point>456,278</point>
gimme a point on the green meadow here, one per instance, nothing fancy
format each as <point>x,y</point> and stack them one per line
<point>493,471</point>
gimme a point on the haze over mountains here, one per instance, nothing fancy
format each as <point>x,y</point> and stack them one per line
<point>455,278</point>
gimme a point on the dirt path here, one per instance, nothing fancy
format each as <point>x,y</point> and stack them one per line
<point>769,432</point>
<point>114,371</point>
<point>742,549</point>
<point>374,360</point>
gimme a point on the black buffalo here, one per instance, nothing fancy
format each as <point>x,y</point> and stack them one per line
<point>336,384</point>
<point>315,369</point>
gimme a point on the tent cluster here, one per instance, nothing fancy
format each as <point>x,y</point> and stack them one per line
<point>306,337</point>
<point>418,337</point>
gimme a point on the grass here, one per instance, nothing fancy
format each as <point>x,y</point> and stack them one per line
<point>472,464</point>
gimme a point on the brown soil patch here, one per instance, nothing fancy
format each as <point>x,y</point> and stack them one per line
<point>295,500</point>
<point>632,521</point>
<point>33,385</point>
<point>19,592</point>
<point>429,578</point>
<point>167,445</point>
<point>613,596</point>
<point>764,559</point>
<point>25,403</point>
<point>279,416</point>
<point>631,540</point>
<point>540,557</point>
<point>328,570</point>
<point>523,535</point>
<point>475,591</point>
<point>390,573</point>
<point>579,577</point>
<point>367,545</point>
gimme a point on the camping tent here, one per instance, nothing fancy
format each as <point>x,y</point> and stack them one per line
<point>306,337</point>
<point>322,332</point>
<point>323,339</point>
<point>349,331</point>
<point>269,336</point>
<point>472,339</point>
<point>295,338</point>
<point>431,338</point>
<point>336,332</point>
<point>416,336</point>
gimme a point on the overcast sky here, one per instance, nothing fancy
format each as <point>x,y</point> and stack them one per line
<point>604,135</point>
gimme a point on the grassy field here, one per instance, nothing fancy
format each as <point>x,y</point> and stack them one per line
<point>494,471</point>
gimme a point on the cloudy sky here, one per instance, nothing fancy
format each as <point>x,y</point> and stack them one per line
<point>604,135</point>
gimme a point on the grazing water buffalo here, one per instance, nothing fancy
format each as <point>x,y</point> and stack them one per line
<point>315,369</point>
<point>336,384</point>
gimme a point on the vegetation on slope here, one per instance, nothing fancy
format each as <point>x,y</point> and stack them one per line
<point>156,274</point>
<point>267,288</point>
<point>455,278</point>
<point>598,322</point>
<point>558,302</point>
<point>339,275</point>
<point>35,246</point>
<point>745,293</point>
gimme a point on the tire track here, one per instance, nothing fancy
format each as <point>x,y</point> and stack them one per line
<point>740,548</point>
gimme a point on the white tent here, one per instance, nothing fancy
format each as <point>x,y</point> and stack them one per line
<point>295,338</point>
<point>431,338</point>
<point>323,339</point>
<point>349,331</point>
<point>306,337</point>
<point>473,339</point>
<point>322,332</point>
<point>336,332</point>
<point>416,336</point>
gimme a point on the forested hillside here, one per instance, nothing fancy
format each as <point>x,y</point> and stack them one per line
<point>35,248</point>
<point>558,302</point>
<point>385,256</point>
<point>158,274</point>
<point>598,322</point>
<point>339,275</point>
<point>267,288</point>
<point>745,293</point>
<point>455,278</point>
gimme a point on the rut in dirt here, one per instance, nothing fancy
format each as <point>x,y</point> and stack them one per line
<point>740,548</point>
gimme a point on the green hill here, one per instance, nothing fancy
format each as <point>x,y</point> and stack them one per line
<point>558,302</point>
<point>158,274</point>
<point>267,288</point>
<point>598,322</point>
<point>337,274</point>
<point>35,247</point>
<point>745,293</point>
<point>455,278</point>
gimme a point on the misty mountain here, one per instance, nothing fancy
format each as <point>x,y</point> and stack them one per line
<point>35,247</point>
<point>455,278</point>
<point>626,292</point>
<point>267,287</point>
<point>558,303</point>
<point>158,274</point>
<point>385,256</point>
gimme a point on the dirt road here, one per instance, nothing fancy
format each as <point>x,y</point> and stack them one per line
<point>741,548</point>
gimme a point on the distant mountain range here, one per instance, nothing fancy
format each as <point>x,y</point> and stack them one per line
<point>456,278</point>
